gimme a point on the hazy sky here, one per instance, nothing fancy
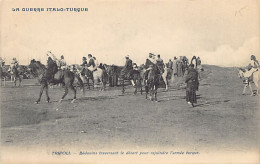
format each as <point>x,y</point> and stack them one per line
<point>222,33</point>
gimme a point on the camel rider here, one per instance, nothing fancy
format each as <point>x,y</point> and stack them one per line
<point>91,63</point>
<point>128,69</point>
<point>62,63</point>
<point>160,64</point>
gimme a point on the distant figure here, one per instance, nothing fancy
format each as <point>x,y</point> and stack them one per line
<point>169,64</point>
<point>192,85</point>
<point>198,61</point>
<point>199,67</point>
<point>179,68</point>
<point>194,61</point>
<point>174,66</point>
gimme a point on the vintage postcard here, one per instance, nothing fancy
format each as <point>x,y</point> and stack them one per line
<point>134,81</point>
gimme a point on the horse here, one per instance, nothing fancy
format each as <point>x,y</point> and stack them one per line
<point>152,83</point>
<point>245,75</point>
<point>113,73</point>
<point>97,75</point>
<point>65,77</point>
<point>166,76</point>
<point>136,78</point>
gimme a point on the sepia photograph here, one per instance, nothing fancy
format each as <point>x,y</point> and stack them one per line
<point>134,81</point>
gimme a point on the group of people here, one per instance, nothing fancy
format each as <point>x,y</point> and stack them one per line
<point>180,67</point>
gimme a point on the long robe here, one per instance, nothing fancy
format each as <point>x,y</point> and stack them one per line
<point>192,85</point>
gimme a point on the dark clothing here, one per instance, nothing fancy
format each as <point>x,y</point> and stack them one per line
<point>52,68</point>
<point>160,65</point>
<point>192,85</point>
<point>148,63</point>
<point>91,62</point>
<point>146,66</point>
<point>127,71</point>
<point>85,63</point>
<point>128,64</point>
<point>179,68</point>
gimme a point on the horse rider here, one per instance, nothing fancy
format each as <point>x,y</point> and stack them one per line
<point>127,71</point>
<point>13,66</point>
<point>160,64</point>
<point>252,67</point>
<point>254,63</point>
<point>84,62</point>
<point>96,62</point>
<point>135,67</point>
<point>14,63</point>
<point>62,63</point>
<point>150,61</point>
<point>52,67</point>
<point>91,63</point>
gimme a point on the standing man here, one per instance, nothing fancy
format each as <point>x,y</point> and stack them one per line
<point>194,61</point>
<point>170,64</point>
<point>174,66</point>
<point>192,85</point>
<point>199,66</point>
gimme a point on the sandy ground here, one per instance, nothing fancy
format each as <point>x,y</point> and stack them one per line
<point>223,119</point>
